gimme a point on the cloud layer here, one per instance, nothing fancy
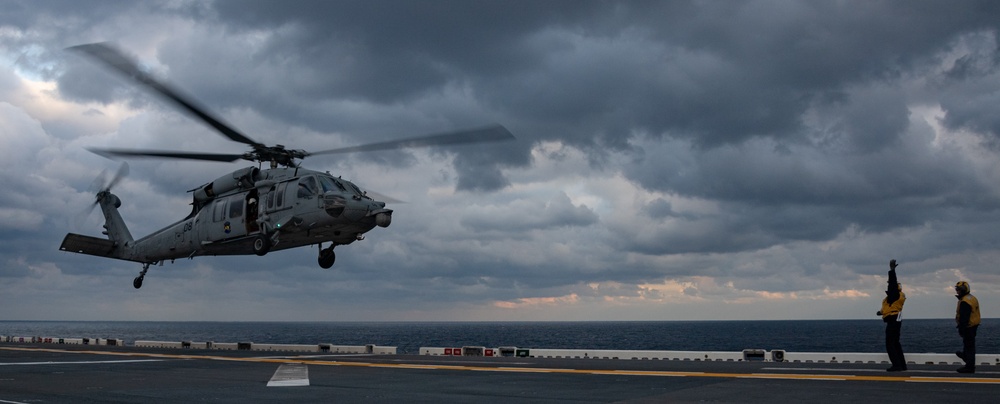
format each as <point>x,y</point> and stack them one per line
<point>674,160</point>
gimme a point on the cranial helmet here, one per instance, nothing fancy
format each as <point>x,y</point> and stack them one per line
<point>962,287</point>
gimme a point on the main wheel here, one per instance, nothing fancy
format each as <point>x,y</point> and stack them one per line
<point>137,282</point>
<point>326,258</point>
<point>261,245</point>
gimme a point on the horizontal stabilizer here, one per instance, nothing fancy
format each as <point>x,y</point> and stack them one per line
<point>77,243</point>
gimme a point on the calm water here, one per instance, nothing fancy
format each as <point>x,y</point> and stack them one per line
<point>793,335</point>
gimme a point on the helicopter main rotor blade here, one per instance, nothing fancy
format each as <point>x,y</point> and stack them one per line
<point>167,154</point>
<point>115,59</point>
<point>493,133</point>
<point>378,196</point>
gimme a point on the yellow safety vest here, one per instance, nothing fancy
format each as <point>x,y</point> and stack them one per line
<point>895,308</point>
<point>974,303</point>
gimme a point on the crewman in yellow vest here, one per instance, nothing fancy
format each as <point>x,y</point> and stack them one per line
<point>892,310</point>
<point>967,317</point>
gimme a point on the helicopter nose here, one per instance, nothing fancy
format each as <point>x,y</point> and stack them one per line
<point>383,219</point>
<point>334,205</point>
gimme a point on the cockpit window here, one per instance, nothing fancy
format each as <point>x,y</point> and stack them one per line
<point>329,184</point>
<point>355,188</point>
<point>307,187</point>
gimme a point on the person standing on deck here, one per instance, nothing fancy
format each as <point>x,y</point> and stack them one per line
<point>892,311</point>
<point>967,318</point>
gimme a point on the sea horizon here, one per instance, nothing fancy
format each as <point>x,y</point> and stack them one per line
<point>855,335</point>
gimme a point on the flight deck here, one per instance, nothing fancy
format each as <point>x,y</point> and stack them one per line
<point>52,372</point>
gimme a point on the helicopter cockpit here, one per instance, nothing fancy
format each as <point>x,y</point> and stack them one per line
<point>307,187</point>
<point>341,186</point>
<point>310,186</point>
<point>333,193</point>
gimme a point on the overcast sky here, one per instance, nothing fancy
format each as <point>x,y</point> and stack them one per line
<point>674,160</point>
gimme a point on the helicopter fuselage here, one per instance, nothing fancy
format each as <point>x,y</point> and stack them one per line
<point>252,211</point>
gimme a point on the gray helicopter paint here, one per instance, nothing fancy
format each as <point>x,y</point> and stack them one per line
<point>248,211</point>
<point>296,217</point>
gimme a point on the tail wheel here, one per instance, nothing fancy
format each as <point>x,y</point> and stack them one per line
<point>261,245</point>
<point>137,282</point>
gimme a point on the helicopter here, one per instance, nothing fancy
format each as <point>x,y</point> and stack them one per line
<point>253,210</point>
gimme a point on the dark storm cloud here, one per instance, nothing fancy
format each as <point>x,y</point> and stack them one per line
<point>969,89</point>
<point>769,196</point>
<point>532,215</point>
<point>718,74</point>
<point>401,48</point>
<point>590,74</point>
<point>762,146</point>
<point>82,82</point>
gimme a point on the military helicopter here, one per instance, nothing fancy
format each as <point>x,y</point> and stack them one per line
<point>252,210</point>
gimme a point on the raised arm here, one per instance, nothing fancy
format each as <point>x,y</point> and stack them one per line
<point>892,287</point>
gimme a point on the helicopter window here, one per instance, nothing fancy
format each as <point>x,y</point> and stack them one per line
<point>280,197</point>
<point>235,208</point>
<point>356,189</point>
<point>330,184</point>
<point>219,211</point>
<point>307,187</point>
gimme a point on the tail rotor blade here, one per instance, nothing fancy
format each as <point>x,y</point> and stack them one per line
<point>83,216</point>
<point>121,173</point>
<point>98,184</point>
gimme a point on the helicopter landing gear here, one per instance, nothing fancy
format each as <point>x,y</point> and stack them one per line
<point>261,244</point>
<point>137,282</point>
<point>326,257</point>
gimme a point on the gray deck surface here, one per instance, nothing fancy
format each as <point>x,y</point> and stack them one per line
<point>46,373</point>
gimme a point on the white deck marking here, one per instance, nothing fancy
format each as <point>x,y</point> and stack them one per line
<point>903,373</point>
<point>290,374</point>
<point>77,362</point>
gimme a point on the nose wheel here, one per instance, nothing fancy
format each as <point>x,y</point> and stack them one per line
<point>326,257</point>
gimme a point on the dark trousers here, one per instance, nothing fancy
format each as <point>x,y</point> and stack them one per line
<point>892,345</point>
<point>968,345</point>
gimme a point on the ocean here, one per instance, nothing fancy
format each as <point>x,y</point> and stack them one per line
<point>919,335</point>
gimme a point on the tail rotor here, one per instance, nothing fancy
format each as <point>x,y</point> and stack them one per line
<point>101,188</point>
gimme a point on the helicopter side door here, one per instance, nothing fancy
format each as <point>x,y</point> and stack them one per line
<point>227,218</point>
<point>234,221</point>
<point>253,210</point>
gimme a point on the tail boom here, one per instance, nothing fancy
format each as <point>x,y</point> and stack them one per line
<point>100,247</point>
